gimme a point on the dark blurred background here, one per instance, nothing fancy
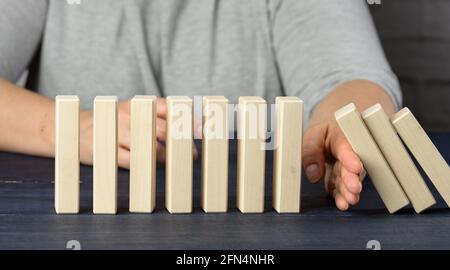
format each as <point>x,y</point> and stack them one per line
<point>416,38</point>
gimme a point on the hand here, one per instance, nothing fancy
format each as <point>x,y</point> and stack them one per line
<point>324,145</point>
<point>123,129</point>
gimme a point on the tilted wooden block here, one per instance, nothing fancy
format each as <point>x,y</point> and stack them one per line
<point>105,155</point>
<point>179,159</point>
<point>398,158</point>
<point>143,154</point>
<point>252,113</point>
<point>424,151</point>
<point>363,144</point>
<point>67,157</point>
<point>214,188</point>
<point>288,155</point>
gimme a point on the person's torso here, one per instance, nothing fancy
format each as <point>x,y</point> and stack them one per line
<point>157,47</point>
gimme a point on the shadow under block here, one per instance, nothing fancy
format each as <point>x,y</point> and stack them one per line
<point>105,155</point>
<point>179,159</point>
<point>67,157</point>
<point>252,113</point>
<point>423,149</point>
<point>377,121</point>
<point>363,144</point>
<point>287,156</point>
<point>143,154</point>
<point>214,187</point>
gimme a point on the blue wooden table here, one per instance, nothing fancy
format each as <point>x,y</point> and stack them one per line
<point>28,220</point>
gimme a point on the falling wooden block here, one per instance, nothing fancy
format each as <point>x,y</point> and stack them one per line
<point>67,155</point>
<point>287,157</point>
<point>252,113</point>
<point>363,144</point>
<point>179,159</point>
<point>143,154</point>
<point>398,158</point>
<point>105,155</point>
<point>214,196</point>
<point>424,151</point>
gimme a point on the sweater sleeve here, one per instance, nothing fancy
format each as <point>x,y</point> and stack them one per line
<point>21,26</point>
<point>322,44</point>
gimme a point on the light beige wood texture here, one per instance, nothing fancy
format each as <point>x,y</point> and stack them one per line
<point>105,155</point>
<point>179,159</point>
<point>379,125</point>
<point>424,151</point>
<point>252,113</point>
<point>363,144</point>
<point>214,194</point>
<point>143,154</point>
<point>287,161</point>
<point>67,155</point>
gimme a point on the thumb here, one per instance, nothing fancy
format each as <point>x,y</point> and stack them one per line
<point>313,154</point>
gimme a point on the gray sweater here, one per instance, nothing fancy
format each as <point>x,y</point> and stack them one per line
<point>191,47</point>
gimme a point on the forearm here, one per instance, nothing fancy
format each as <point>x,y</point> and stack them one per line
<point>362,93</point>
<point>26,121</point>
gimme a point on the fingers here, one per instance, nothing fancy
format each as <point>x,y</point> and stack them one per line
<point>123,155</point>
<point>341,203</point>
<point>124,137</point>
<point>161,108</point>
<point>342,151</point>
<point>123,158</point>
<point>313,154</point>
<point>161,129</point>
<point>349,197</point>
<point>351,181</point>
<point>345,187</point>
<point>327,178</point>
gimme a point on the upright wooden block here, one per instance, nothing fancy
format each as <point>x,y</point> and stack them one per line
<point>288,155</point>
<point>424,151</point>
<point>363,144</point>
<point>398,158</point>
<point>143,154</point>
<point>214,194</point>
<point>105,155</point>
<point>252,113</point>
<point>179,159</point>
<point>67,155</point>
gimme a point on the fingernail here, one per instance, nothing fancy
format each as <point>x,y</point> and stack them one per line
<point>313,172</point>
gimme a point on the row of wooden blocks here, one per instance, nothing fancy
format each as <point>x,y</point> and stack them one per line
<point>378,141</point>
<point>252,116</point>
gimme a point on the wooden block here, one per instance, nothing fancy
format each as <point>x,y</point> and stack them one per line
<point>143,154</point>
<point>363,144</point>
<point>67,155</point>
<point>398,158</point>
<point>252,113</point>
<point>424,151</point>
<point>105,155</point>
<point>179,159</point>
<point>288,155</point>
<point>214,196</point>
